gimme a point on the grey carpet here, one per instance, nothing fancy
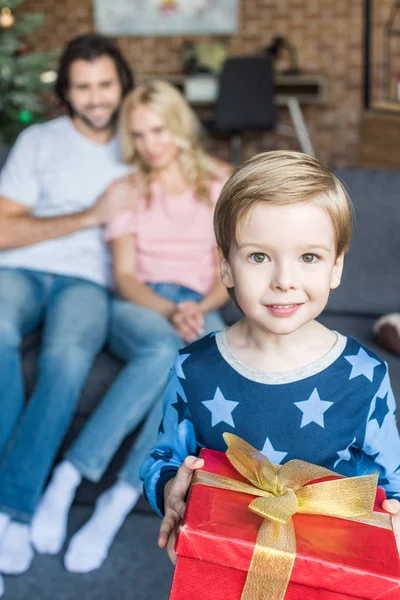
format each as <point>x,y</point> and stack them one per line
<point>135,569</point>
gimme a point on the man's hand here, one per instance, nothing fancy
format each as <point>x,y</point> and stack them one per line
<point>120,195</point>
<point>188,320</point>
<point>393,507</point>
<point>175,493</point>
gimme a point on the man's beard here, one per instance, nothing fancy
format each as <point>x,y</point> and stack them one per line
<point>108,125</point>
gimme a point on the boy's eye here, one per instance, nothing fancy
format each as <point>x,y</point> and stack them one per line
<point>309,258</point>
<point>258,257</point>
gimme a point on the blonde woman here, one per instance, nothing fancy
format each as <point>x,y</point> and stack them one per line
<point>169,290</point>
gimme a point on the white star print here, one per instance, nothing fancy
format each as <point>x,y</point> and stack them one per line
<point>344,454</point>
<point>180,359</point>
<point>362,364</point>
<point>220,409</point>
<point>313,409</point>
<point>274,455</point>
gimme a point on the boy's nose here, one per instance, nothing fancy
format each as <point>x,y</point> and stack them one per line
<point>283,279</point>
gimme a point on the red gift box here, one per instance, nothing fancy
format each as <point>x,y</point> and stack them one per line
<point>336,559</point>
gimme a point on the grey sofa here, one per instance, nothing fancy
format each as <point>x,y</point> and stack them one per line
<point>370,288</point>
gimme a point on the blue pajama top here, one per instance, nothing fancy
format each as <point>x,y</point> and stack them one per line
<point>338,412</point>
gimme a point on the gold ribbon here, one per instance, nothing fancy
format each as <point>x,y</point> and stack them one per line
<point>282,492</point>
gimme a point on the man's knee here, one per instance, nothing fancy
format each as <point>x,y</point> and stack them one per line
<point>66,358</point>
<point>10,334</point>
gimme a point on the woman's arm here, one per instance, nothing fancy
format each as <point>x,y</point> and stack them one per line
<point>215,298</point>
<point>127,286</point>
<point>188,319</point>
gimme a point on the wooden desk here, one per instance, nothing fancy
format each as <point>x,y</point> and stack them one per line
<point>380,138</point>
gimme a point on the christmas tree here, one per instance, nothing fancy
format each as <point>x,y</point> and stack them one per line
<point>24,75</point>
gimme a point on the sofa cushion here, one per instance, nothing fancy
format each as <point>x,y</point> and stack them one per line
<point>371,277</point>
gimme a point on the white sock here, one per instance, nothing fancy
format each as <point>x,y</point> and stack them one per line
<point>49,525</point>
<point>4,523</point>
<point>89,546</point>
<point>16,552</point>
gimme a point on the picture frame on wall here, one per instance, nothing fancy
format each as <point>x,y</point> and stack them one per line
<point>166,17</point>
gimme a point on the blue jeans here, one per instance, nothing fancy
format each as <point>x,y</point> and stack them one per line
<point>148,343</point>
<point>75,314</point>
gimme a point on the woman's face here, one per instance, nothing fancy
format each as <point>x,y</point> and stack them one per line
<point>152,140</point>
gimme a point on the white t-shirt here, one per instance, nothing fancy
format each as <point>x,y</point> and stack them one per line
<point>55,170</point>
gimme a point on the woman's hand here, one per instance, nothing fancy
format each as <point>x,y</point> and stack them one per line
<point>393,507</point>
<point>188,320</point>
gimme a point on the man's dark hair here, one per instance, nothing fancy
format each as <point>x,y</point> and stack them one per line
<point>90,47</point>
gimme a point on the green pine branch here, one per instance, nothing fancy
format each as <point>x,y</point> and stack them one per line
<point>21,88</point>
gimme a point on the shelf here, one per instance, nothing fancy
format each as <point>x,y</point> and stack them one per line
<point>307,88</point>
<point>387,105</point>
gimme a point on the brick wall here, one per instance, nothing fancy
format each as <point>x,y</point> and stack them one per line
<point>380,16</point>
<point>327,34</point>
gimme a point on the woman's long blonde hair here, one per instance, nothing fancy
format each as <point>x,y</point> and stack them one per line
<point>165,100</point>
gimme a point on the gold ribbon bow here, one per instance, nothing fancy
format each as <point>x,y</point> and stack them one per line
<point>282,492</point>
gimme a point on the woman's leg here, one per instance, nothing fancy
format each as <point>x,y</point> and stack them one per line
<point>148,343</point>
<point>90,545</point>
<point>142,446</point>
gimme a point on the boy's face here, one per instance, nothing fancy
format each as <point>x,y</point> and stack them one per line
<point>284,265</point>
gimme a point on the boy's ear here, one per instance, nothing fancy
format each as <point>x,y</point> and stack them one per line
<point>225,270</point>
<point>337,271</point>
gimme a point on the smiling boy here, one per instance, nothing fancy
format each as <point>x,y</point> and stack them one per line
<point>277,378</point>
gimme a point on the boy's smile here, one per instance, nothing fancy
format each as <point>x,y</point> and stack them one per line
<point>282,310</point>
<point>284,265</point>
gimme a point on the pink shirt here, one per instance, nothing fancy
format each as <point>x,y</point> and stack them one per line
<point>175,240</point>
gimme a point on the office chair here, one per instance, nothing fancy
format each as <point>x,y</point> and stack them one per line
<point>245,101</point>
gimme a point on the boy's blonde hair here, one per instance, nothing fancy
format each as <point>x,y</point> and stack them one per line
<point>165,100</point>
<point>281,177</point>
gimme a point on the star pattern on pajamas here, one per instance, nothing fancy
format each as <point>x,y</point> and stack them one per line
<point>181,408</point>
<point>180,359</point>
<point>164,455</point>
<point>340,417</point>
<point>362,364</point>
<point>313,409</point>
<point>221,409</point>
<point>274,456</point>
<point>381,410</point>
<point>344,454</point>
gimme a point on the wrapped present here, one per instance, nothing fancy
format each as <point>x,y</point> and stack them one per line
<point>255,531</point>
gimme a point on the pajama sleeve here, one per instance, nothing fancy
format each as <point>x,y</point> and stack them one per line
<point>382,440</point>
<point>175,441</point>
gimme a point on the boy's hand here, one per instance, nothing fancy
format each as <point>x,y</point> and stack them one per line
<point>174,503</point>
<point>393,507</point>
<point>188,320</point>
